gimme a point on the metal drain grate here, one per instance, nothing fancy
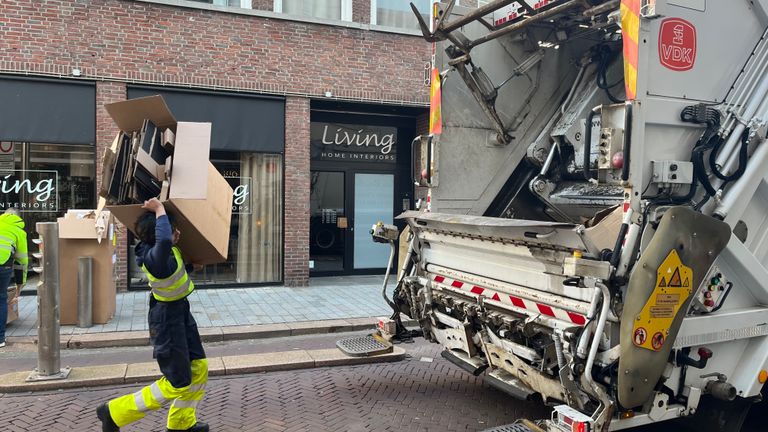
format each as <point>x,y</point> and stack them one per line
<point>509,428</point>
<point>363,346</point>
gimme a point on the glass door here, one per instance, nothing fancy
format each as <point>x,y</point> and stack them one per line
<point>374,195</point>
<point>327,222</point>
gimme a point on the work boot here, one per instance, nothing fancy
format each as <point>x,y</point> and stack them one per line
<point>198,427</point>
<point>107,424</point>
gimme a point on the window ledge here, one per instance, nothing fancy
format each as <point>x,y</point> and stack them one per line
<point>282,16</point>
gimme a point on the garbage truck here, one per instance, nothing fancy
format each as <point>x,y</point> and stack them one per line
<point>596,234</point>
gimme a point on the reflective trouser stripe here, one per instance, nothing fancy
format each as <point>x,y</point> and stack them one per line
<point>181,415</point>
<point>131,407</point>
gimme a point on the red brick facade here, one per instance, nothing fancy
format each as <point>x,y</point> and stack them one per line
<point>296,262</point>
<point>107,92</point>
<point>265,5</point>
<point>361,11</point>
<point>120,42</point>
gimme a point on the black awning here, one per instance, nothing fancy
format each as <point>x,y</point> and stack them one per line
<point>241,122</point>
<point>47,110</point>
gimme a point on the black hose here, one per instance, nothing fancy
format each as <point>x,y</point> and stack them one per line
<point>627,141</point>
<point>588,146</point>
<point>619,243</point>
<point>743,157</point>
<point>603,57</point>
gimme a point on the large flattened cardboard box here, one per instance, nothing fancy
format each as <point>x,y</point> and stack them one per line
<point>80,237</point>
<point>199,198</point>
<point>13,304</point>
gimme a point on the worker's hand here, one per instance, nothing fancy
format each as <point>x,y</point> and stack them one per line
<point>155,206</point>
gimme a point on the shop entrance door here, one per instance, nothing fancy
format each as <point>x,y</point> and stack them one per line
<point>327,222</point>
<point>374,195</point>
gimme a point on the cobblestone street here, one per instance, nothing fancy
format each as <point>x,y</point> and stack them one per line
<point>413,395</point>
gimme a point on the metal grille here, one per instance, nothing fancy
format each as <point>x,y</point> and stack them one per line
<point>363,346</point>
<point>509,428</point>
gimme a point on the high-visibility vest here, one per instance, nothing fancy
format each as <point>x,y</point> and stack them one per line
<point>174,287</point>
<point>13,243</point>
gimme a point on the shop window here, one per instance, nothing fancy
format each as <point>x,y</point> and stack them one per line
<point>43,181</point>
<point>255,252</point>
<point>322,9</point>
<point>398,13</point>
<point>244,4</point>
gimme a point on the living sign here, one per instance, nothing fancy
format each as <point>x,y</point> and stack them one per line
<point>29,191</point>
<point>344,142</point>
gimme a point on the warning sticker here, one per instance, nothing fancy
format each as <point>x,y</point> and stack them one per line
<point>662,311</point>
<point>667,299</point>
<point>672,290</point>
<point>640,336</point>
<point>658,341</point>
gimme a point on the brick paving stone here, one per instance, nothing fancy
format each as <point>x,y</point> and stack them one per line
<point>410,395</point>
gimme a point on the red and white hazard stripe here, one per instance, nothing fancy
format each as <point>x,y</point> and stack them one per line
<point>510,300</point>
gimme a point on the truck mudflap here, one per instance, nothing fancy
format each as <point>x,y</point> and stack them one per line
<point>676,260</point>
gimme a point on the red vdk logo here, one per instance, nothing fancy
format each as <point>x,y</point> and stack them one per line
<point>677,44</point>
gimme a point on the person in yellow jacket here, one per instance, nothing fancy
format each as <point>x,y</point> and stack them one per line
<point>13,260</point>
<point>172,330</point>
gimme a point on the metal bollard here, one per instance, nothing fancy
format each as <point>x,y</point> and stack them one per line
<point>48,313</point>
<point>85,291</point>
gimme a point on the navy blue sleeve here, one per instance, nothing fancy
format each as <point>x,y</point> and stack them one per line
<point>159,258</point>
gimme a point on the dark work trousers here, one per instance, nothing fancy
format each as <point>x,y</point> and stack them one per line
<point>173,333</point>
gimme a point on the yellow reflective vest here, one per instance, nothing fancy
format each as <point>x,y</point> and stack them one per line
<point>174,287</point>
<point>13,244</point>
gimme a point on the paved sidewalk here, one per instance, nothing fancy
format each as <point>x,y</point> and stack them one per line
<point>326,298</point>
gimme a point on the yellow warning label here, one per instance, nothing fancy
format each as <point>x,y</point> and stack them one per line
<point>673,287</point>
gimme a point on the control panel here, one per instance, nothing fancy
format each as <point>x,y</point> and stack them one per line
<point>712,292</point>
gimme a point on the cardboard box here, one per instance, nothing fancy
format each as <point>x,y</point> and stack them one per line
<point>13,310</point>
<point>82,224</point>
<point>199,198</point>
<point>88,244</point>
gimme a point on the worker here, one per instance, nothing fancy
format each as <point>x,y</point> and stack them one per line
<point>172,331</point>
<point>14,259</point>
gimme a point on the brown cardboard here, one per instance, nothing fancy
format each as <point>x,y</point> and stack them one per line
<point>71,226</point>
<point>71,247</point>
<point>204,224</point>
<point>190,157</point>
<point>13,310</point>
<point>605,228</point>
<point>104,290</point>
<point>129,115</point>
<point>199,198</point>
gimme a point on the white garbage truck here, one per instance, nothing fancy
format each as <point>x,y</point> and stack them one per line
<point>597,235</point>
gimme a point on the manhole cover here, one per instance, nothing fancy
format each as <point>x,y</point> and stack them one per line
<point>509,428</point>
<point>363,346</point>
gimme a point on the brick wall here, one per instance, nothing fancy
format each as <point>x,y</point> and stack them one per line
<point>361,11</point>
<point>296,191</point>
<point>136,41</point>
<point>265,5</point>
<point>118,41</point>
<point>107,92</point>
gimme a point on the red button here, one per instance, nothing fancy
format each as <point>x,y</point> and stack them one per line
<point>709,303</point>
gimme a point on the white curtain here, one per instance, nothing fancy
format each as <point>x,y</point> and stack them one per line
<point>260,236</point>
<point>326,9</point>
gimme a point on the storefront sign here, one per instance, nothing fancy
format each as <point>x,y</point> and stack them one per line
<point>353,143</point>
<point>29,191</point>
<point>241,194</point>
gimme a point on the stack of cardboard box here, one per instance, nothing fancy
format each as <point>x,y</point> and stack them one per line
<point>156,156</point>
<point>87,233</point>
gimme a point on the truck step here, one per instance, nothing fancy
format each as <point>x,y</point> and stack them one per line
<point>364,346</point>
<point>474,366</point>
<point>509,384</point>
<point>514,427</point>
